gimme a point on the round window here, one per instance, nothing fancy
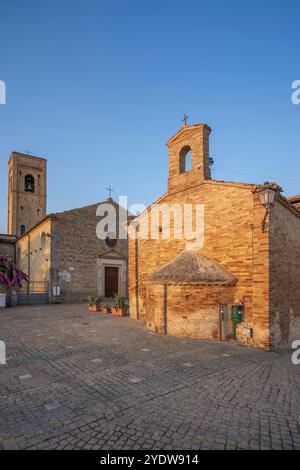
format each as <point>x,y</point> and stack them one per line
<point>110,241</point>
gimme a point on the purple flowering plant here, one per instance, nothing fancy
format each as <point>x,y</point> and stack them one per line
<point>10,275</point>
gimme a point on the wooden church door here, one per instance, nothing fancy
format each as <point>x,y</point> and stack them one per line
<point>111,281</point>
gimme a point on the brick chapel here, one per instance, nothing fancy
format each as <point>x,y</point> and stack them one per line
<point>249,253</point>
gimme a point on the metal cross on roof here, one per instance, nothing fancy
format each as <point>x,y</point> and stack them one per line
<point>184,120</point>
<point>110,190</point>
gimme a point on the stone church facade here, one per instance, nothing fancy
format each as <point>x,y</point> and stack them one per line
<point>60,252</point>
<point>182,289</point>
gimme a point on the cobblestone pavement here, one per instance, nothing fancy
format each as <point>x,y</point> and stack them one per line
<point>77,380</point>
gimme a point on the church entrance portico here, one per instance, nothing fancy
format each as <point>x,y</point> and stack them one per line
<point>111,284</point>
<point>112,275</point>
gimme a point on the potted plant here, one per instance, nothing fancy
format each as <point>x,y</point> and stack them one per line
<point>106,309</point>
<point>120,307</point>
<point>94,302</point>
<point>10,276</point>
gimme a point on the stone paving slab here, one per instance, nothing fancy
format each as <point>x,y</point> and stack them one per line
<point>77,380</point>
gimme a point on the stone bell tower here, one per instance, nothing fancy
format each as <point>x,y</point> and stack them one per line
<point>26,192</point>
<point>189,157</point>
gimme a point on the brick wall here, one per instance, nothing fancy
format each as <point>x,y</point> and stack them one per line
<point>284,275</point>
<point>233,237</point>
<point>186,310</point>
<point>197,139</point>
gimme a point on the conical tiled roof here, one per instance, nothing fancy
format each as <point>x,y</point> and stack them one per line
<point>192,268</point>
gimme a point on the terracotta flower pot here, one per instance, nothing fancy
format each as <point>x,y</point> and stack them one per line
<point>105,309</point>
<point>119,312</point>
<point>94,308</point>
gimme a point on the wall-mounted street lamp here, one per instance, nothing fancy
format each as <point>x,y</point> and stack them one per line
<point>267,198</point>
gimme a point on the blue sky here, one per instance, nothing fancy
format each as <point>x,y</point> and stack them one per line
<point>98,87</point>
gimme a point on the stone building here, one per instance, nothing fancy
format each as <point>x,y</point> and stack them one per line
<point>7,245</point>
<point>242,251</point>
<point>64,251</point>
<point>61,253</point>
<point>7,248</point>
<point>295,200</point>
<point>26,192</point>
<point>26,201</point>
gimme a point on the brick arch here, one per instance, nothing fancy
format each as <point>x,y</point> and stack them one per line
<point>185,159</point>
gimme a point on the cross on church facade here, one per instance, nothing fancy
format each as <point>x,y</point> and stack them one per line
<point>110,190</point>
<point>184,120</point>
